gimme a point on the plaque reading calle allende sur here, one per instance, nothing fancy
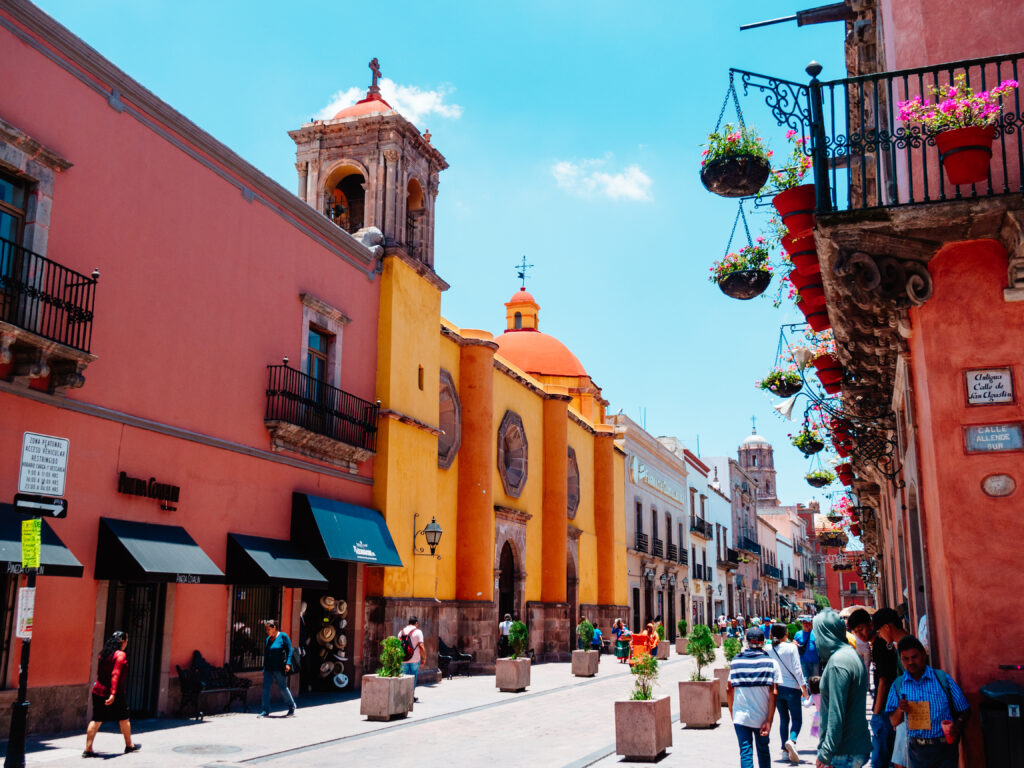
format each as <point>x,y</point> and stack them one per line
<point>990,386</point>
<point>985,438</point>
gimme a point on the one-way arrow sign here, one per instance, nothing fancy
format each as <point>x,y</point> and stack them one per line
<point>40,506</point>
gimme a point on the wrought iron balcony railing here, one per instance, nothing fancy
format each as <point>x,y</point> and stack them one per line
<point>684,557</point>
<point>701,527</point>
<point>866,157</point>
<point>771,571</point>
<point>731,559</point>
<point>673,553</point>
<point>659,548</point>
<point>45,298</point>
<point>793,584</point>
<point>749,545</point>
<point>297,398</point>
<point>641,542</point>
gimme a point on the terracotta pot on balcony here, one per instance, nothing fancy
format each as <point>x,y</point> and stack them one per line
<point>796,207</point>
<point>816,317</point>
<point>965,153</point>
<point>810,288</point>
<point>736,175</point>
<point>803,253</point>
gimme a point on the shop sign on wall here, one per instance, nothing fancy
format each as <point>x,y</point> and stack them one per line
<point>989,386</point>
<point>985,438</point>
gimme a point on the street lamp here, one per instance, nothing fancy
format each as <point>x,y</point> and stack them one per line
<point>672,580</point>
<point>431,534</point>
<point>664,579</point>
<point>719,589</point>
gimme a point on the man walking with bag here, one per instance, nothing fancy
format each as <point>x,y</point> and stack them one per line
<point>277,659</point>
<point>412,644</point>
<point>752,690</point>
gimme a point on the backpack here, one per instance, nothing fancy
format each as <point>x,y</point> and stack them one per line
<point>406,638</point>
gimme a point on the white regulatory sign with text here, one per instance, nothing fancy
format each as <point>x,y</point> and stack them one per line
<point>44,464</point>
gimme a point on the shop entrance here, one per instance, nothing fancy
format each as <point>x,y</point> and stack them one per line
<point>137,608</point>
<point>506,583</point>
<point>327,632</point>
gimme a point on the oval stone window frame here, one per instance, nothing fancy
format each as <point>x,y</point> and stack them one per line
<point>449,421</point>
<point>513,454</point>
<point>573,482</point>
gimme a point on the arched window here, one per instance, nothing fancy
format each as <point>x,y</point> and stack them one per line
<point>519,321</point>
<point>512,454</point>
<point>346,198</point>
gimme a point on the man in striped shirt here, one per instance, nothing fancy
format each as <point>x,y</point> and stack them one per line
<point>754,678</point>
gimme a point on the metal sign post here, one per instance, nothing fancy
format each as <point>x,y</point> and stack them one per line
<point>31,530</point>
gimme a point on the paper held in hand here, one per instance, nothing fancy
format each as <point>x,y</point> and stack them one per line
<point>919,718</point>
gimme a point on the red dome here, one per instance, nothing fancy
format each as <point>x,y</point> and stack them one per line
<point>536,352</point>
<point>522,296</point>
<point>368,106</point>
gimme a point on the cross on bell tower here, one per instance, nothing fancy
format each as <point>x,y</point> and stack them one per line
<point>521,270</point>
<point>375,72</point>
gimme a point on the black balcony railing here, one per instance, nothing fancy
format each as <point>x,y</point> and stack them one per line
<point>732,557</point>
<point>800,585</point>
<point>296,398</point>
<point>866,157</point>
<point>684,557</point>
<point>659,548</point>
<point>641,542</point>
<point>748,544</point>
<point>771,571</point>
<point>702,527</point>
<point>673,553</point>
<point>793,584</point>
<point>44,297</point>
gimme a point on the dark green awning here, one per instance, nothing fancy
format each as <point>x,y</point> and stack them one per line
<point>54,558</point>
<point>256,560</point>
<point>326,529</point>
<point>128,550</point>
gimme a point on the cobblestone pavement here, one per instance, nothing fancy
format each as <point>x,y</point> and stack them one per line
<point>560,721</point>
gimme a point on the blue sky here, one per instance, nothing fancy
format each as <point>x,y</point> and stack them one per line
<point>573,132</point>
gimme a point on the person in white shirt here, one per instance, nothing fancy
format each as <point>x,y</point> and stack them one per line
<point>752,689</point>
<point>412,643</point>
<point>503,629</point>
<point>793,685</point>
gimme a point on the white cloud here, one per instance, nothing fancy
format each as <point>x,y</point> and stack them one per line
<point>412,102</point>
<point>589,177</point>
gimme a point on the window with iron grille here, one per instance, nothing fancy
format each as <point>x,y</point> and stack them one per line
<point>250,607</point>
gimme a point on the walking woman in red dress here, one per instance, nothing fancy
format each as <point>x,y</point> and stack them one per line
<point>108,699</point>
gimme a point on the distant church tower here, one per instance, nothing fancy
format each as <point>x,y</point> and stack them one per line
<point>370,167</point>
<point>757,457</point>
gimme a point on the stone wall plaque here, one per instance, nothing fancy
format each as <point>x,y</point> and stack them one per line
<point>989,386</point>
<point>986,438</point>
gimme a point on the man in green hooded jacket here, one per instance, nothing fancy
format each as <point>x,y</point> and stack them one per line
<point>844,741</point>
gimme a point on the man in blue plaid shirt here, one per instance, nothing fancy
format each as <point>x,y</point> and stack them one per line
<point>944,701</point>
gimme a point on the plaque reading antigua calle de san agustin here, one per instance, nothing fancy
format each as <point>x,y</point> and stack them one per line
<point>989,386</point>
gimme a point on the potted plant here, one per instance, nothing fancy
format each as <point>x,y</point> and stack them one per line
<point>643,724</point>
<point>845,472</point>
<point>663,649</point>
<point>584,662</point>
<point>731,647</point>
<point>734,162</point>
<point>388,693</point>
<point>745,273</point>
<point>794,201</point>
<point>819,478</point>
<point>700,701</point>
<point>513,674</point>
<point>681,640</point>
<point>808,441</point>
<point>802,253</point>
<point>962,123</point>
<point>809,288</point>
<point>782,382</point>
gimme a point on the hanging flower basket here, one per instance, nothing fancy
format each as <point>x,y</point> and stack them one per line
<point>834,517</point>
<point>965,153</point>
<point>832,538</point>
<point>808,442</point>
<point>803,253</point>
<point>735,175</point>
<point>796,207</point>
<point>782,383</point>
<point>745,283</point>
<point>819,478</point>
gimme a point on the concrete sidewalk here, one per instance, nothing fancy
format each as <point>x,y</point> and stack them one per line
<point>559,721</point>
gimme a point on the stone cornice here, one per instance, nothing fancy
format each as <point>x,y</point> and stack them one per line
<point>323,308</point>
<point>418,267</point>
<point>34,149</point>
<point>512,515</point>
<point>126,95</point>
<point>383,121</point>
<point>404,418</point>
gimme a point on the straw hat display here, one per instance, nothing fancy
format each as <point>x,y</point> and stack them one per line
<point>327,603</point>
<point>341,680</point>
<point>326,669</point>
<point>326,635</point>
<point>340,608</point>
<point>340,642</point>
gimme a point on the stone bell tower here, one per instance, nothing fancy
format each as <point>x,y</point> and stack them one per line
<point>370,167</point>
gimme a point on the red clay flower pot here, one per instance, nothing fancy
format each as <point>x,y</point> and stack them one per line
<point>965,153</point>
<point>832,386</point>
<point>811,291</point>
<point>828,366</point>
<point>816,318</point>
<point>842,448</point>
<point>803,253</point>
<point>796,207</point>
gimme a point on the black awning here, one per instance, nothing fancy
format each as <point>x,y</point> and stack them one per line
<point>54,558</point>
<point>256,560</point>
<point>128,550</point>
<point>327,529</point>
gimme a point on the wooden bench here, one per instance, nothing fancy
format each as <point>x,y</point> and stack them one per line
<point>201,678</point>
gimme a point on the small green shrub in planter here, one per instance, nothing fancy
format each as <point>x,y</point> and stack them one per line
<point>645,676</point>
<point>391,657</point>
<point>519,639</point>
<point>731,647</point>
<point>702,648</point>
<point>661,631</point>
<point>681,626</point>
<point>793,629</point>
<point>585,633</point>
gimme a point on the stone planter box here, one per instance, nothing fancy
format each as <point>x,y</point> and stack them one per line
<point>722,676</point>
<point>584,663</point>
<point>512,675</point>
<point>718,640</point>
<point>700,703</point>
<point>663,650</point>
<point>681,643</point>
<point>385,697</point>
<point>643,729</point>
